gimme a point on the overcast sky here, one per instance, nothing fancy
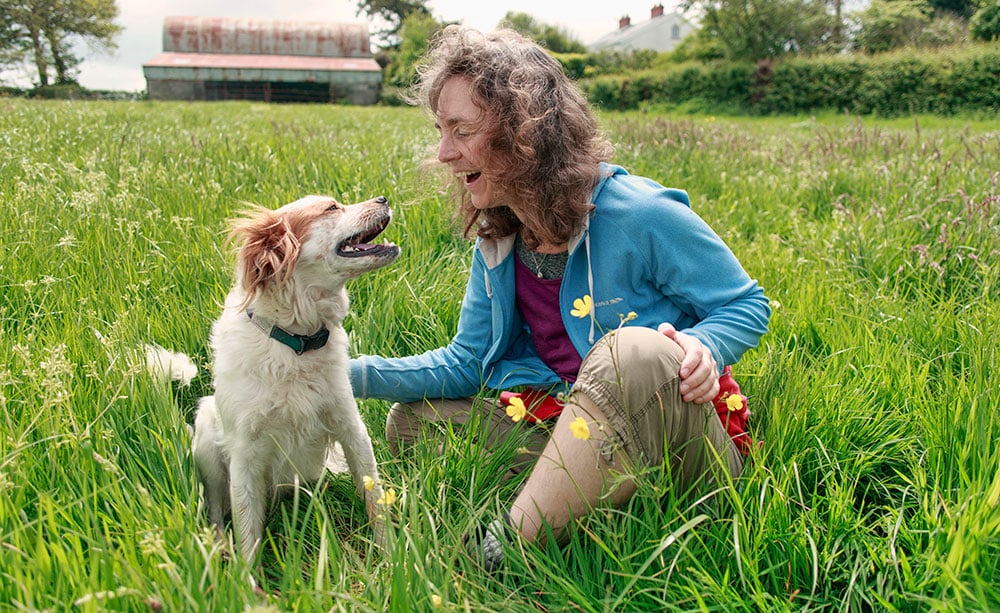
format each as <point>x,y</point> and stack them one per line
<point>142,20</point>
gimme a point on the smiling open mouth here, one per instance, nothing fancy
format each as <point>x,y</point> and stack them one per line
<point>360,244</point>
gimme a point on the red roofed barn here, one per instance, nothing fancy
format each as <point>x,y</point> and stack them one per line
<point>222,58</point>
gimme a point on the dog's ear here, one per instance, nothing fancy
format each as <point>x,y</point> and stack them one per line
<point>268,250</point>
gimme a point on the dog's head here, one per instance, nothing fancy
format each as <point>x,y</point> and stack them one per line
<point>312,242</point>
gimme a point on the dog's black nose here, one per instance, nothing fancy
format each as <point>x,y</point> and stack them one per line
<point>381,200</point>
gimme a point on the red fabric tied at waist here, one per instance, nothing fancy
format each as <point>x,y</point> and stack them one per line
<point>540,405</point>
<point>731,407</point>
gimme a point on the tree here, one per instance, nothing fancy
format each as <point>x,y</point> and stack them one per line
<point>837,32</point>
<point>961,8</point>
<point>415,34</point>
<point>45,31</point>
<point>698,46</point>
<point>944,29</point>
<point>551,37</point>
<point>888,24</point>
<point>753,30</point>
<point>392,13</point>
<point>11,47</point>
<point>985,23</point>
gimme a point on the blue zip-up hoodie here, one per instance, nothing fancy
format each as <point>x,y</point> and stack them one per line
<point>643,250</point>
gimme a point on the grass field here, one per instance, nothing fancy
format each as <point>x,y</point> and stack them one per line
<point>876,487</point>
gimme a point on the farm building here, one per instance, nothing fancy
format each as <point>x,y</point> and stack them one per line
<point>221,58</point>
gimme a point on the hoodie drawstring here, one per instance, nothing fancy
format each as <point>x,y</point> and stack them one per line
<point>590,283</point>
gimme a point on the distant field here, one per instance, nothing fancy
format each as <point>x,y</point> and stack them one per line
<point>875,393</point>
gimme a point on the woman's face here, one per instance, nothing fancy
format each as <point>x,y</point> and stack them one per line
<point>464,128</point>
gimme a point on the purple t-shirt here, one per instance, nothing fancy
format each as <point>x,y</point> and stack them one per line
<point>538,301</point>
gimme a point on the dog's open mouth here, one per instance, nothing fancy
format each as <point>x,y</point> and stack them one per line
<point>360,244</point>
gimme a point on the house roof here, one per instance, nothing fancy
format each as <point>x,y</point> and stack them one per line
<point>654,33</point>
<point>183,34</point>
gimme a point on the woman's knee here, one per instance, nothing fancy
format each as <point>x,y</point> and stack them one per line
<point>637,350</point>
<point>633,374</point>
<point>400,427</point>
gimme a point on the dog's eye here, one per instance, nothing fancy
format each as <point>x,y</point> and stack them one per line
<point>333,207</point>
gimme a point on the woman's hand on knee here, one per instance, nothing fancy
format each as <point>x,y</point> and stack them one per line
<point>699,374</point>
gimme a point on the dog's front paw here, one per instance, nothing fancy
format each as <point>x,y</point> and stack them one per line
<point>380,533</point>
<point>378,504</point>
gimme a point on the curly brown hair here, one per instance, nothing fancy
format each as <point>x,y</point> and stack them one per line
<point>545,141</point>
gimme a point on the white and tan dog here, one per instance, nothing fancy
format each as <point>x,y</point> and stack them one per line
<point>282,391</point>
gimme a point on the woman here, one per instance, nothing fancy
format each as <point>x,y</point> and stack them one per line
<point>585,280</point>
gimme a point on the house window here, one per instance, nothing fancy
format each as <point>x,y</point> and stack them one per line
<point>675,31</point>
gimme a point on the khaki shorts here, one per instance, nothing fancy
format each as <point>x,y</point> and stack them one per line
<point>632,375</point>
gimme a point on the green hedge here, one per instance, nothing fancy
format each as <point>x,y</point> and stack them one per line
<point>723,83</point>
<point>944,82</point>
<point>70,91</point>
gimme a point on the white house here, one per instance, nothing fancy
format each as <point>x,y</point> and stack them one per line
<point>662,32</point>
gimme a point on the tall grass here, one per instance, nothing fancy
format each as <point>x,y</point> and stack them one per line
<point>876,485</point>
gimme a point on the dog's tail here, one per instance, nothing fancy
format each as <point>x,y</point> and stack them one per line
<point>170,366</point>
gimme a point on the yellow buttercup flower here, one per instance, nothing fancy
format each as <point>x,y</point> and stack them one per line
<point>516,409</point>
<point>582,306</point>
<point>734,402</point>
<point>387,498</point>
<point>368,482</point>
<point>580,429</point>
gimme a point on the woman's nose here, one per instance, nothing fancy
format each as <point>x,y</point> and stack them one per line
<point>446,150</point>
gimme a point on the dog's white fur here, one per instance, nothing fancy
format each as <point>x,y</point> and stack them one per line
<point>274,414</point>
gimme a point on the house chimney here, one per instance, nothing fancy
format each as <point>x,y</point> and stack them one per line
<point>624,22</point>
<point>656,12</point>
